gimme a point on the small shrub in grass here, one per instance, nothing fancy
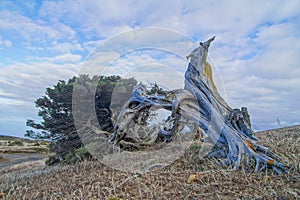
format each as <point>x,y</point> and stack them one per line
<point>16,143</point>
<point>36,144</point>
<point>83,154</point>
<point>80,154</point>
<point>44,143</point>
<point>114,198</point>
<point>70,158</point>
<point>39,149</point>
<point>52,160</point>
<point>195,146</point>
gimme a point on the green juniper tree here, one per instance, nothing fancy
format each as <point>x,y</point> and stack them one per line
<point>55,109</point>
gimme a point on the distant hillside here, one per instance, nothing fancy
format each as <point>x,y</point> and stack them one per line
<point>8,137</point>
<point>283,130</point>
<point>14,138</point>
<point>12,144</point>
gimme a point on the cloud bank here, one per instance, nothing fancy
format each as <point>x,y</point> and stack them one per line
<point>255,51</point>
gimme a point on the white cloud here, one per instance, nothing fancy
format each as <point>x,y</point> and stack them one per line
<point>231,19</point>
<point>10,102</point>
<point>97,63</point>
<point>90,45</point>
<point>68,58</point>
<point>26,82</point>
<point>31,30</point>
<point>165,76</point>
<point>65,47</point>
<point>5,43</point>
<point>62,58</point>
<point>5,94</point>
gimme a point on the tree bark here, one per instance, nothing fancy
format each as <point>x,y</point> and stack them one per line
<point>200,106</point>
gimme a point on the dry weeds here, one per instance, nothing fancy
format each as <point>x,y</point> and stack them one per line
<point>92,180</point>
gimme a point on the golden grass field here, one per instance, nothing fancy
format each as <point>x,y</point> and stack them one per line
<point>189,177</point>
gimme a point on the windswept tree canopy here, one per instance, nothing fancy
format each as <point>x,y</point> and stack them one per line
<point>55,109</point>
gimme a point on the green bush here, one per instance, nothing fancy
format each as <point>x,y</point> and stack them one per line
<point>195,146</point>
<point>83,154</point>
<point>79,155</point>
<point>52,160</point>
<point>70,159</point>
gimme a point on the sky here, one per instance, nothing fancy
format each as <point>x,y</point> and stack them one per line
<point>255,55</point>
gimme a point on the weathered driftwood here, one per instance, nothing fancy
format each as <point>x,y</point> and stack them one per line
<point>198,106</point>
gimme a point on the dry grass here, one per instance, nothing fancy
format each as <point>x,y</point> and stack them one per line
<point>26,147</point>
<point>188,178</point>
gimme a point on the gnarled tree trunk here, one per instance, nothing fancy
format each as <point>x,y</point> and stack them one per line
<point>199,106</point>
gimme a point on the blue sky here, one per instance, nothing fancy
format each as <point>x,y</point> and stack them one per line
<point>256,51</point>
